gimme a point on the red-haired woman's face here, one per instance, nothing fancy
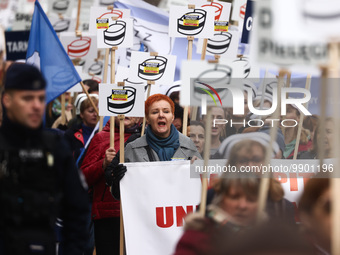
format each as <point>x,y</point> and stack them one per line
<point>160,118</point>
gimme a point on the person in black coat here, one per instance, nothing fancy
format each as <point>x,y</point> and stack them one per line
<point>38,178</point>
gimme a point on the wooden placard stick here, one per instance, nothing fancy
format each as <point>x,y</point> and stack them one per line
<point>121,160</point>
<point>264,86</point>
<point>106,64</point>
<point>149,83</point>
<point>206,157</point>
<point>265,178</point>
<point>63,116</point>
<point>205,43</point>
<point>189,57</point>
<point>113,64</point>
<point>289,77</point>
<point>74,97</point>
<point>323,104</point>
<point>185,120</point>
<point>113,77</point>
<point>78,14</point>
<point>204,48</point>
<point>78,33</point>
<point>335,181</point>
<point>193,112</point>
<point>190,43</point>
<point>190,38</point>
<point>297,143</point>
<point>148,94</point>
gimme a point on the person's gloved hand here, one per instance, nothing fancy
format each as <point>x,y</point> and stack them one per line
<point>113,174</point>
<point>119,172</point>
<point>108,174</point>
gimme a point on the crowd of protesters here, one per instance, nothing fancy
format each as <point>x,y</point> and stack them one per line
<point>229,225</point>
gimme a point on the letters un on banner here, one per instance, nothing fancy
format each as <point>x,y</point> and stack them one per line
<point>156,196</point>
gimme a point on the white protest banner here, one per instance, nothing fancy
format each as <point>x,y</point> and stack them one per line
<point>115,100</point>
<point>198,22</point>
<point>100,14</point>
<point>156,196</point>
<point>115,33</point>
<point>160,68</point>
<point>83,47</point>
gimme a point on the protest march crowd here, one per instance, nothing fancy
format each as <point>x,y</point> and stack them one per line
<point>62,167</point>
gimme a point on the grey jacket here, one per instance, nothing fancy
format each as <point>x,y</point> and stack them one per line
<point>136,150</point>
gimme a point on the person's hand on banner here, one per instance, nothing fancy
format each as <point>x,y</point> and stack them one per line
<point>113,174</point>
<point>119,172</point>
<point>192,160</point>
<point>110,153</point>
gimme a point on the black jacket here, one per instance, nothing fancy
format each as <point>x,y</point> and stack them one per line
<point>54,176</point>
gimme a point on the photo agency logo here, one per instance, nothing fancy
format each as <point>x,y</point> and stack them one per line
<point>244,98</point>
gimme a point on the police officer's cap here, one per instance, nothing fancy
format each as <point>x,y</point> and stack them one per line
<point>22,76</point>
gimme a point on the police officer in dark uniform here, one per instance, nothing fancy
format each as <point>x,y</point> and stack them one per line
<point>38,178</point>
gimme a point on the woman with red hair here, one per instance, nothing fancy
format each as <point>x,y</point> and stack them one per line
<point>161,142</point>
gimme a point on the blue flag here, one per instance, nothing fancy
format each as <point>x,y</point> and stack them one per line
<point>47,53</point>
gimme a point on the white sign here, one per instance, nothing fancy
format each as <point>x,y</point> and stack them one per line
<point>282,52</point>
<point>123,75</point>
<point>22,21</point>
<point>239,10</point>
<point>221,9</point>
<point>115,100</point>
<point>160,69</point>
<point>95,69</point>
<point>224,44</point>
<point>99,13</point>
<point>153,216</point>
<point>115,33</point>
<point>83,76</point>
<point>308,20</point>
<point>64,24</point>
<point>84,47</point>
<point>64,7</point>
<point>211,80</point>
<point>186,22</point>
